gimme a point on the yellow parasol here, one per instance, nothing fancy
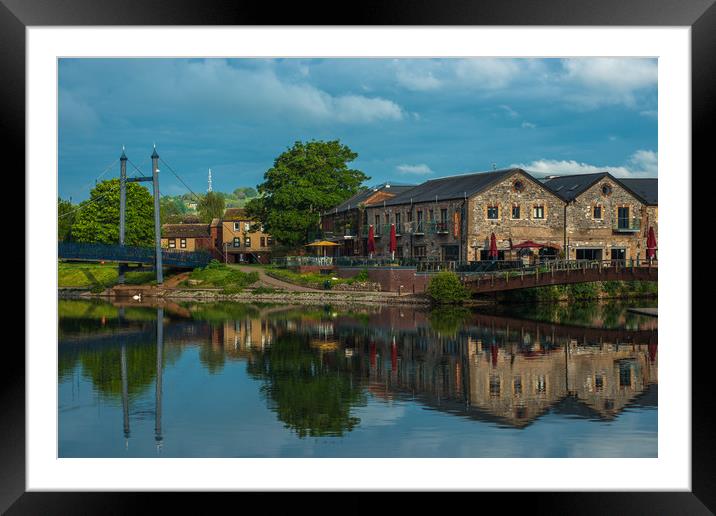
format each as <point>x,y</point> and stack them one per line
<point>323,244</point>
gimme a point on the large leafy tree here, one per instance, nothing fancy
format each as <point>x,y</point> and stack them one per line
<point>97,219</point>
<point>66,214</point>
<point>211,206</point>
<point>305,180</point>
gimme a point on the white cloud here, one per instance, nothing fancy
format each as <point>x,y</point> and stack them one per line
<point>643,163</point>
<point>417,80</point>
<point>421,169</point>
<point>528,125</point>
<point>487,73</point>
<point>510,112</point>
<point>606,80</point>
<point>225,90</point>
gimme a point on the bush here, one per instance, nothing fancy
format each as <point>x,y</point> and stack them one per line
<point>446,287</point>
<point>97,289</point>
<point>362,276</point>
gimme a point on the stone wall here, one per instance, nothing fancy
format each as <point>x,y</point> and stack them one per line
<point>391,279</point>
<point>517,190</point>
<point>584,230</point>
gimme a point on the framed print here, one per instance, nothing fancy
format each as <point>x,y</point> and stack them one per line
<point>417,253</point>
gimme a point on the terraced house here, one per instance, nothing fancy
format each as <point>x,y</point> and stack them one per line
<point>242,239</point>
<point>453,218</point>
<point>607,218</point>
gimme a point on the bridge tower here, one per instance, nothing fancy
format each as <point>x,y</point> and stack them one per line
<point>123,210</point>
<point>157,226</point>
<point>122,206</point>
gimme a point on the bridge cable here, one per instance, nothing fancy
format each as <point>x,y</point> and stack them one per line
<point>180,179</point>
<point>100,175</point>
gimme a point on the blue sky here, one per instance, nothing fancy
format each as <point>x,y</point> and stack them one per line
<point>409,120</point>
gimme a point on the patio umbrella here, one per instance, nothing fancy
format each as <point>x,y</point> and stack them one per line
<point>323,244</point>
<point>371,240</point>
<point>651,244</point>
<point>527,244</point>
<point>393,242</point>
<point>493,247</point>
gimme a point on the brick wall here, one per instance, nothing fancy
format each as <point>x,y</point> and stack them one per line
<point>390,278</point>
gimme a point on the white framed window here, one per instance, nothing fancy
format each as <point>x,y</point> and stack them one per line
<point>172,243</point>
<point>182,243</point>
<point>538,212</point>
<point>237,226</point>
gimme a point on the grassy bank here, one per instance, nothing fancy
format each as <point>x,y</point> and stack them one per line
<point>583,291</point>
<point>219,275</point>
<point>97,276</point>
<point>312,279</point>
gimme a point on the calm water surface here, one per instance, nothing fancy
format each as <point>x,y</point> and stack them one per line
<point>235,380</point>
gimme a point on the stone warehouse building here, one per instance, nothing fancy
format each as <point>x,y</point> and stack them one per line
<point>592,216</point>
<point>453,218</point>
<point>607,218</point>
<point>346,223</point>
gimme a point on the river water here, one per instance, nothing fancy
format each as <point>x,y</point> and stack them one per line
<point>237,380</point>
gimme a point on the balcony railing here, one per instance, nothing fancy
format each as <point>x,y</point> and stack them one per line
<point>625,225</point>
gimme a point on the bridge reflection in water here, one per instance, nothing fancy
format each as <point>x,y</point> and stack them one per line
<point>318,365</point>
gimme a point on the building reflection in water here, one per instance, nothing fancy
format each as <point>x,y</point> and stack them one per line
<point>317,365</point>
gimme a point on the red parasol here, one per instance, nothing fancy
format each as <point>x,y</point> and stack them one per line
<point>371,240</point>
<point>393,241</point>
<point>528,244</point>
<point>651,244</point>
<point>493,247</point>
<point>394,357</point>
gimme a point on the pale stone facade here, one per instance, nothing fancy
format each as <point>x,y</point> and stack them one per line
<point>525,210</point>
<point>607,221</point>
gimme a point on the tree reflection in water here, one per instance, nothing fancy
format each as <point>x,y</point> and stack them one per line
<point>312,396</point>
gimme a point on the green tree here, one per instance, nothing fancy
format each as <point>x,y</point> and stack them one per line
<point>66,215</point>
<point>97,219</point>
<point>245,192</point>
<point>211,206</point>
<point>305,180</point>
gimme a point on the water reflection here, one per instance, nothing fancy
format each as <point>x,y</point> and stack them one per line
<point>316,367</point>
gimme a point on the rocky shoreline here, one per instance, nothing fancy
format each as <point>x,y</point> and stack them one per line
<point>248,296</point>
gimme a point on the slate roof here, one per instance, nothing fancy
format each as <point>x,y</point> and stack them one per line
<point>185,231</point>
<point>570,187</point>
<point>360,197</point>
<point>452,187</point>
<point>647,188</point>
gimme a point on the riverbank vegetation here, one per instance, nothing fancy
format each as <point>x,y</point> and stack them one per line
<point>583,291</point>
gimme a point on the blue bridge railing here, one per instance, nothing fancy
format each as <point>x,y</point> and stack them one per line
<point>131,254</point>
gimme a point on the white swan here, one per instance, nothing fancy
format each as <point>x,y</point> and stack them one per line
<point>137,297</point>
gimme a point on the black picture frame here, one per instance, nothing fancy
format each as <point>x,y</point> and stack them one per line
<point>700,15</point>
